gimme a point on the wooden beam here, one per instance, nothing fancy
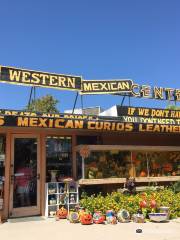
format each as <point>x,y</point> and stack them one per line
<point>129,148</point>
<point>123,180</point>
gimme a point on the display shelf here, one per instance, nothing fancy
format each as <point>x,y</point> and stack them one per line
<point>62,192</point>
<point>123,180</point>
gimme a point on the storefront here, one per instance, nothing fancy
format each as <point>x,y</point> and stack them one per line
<point>141,143</point>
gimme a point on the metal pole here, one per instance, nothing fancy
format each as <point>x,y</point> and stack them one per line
<point>34,98</point>
<point>129,101</point>
<point>75,102</point>
<point>30,96</point>
<point>147,162</point>
<point>82,103</point>
<point>122,100</point>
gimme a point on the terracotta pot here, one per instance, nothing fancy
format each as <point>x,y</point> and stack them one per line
<point>62,213</point>
<point>86,219</point>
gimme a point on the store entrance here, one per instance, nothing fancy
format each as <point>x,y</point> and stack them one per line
<point>25,184</point>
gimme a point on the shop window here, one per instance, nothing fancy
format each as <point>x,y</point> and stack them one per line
<point>2,168</point>
<point>123,164</point>
<point>107,164</point>
<point>58,158</point>
<point>156,164</point>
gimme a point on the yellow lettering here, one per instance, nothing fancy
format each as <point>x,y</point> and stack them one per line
<point>158,93</point>
<point>107,126</point>
<point>59,123</point>
<point>35,78</point>
<point>79,124</point>
<point>44,77</point>
<point>2,120</point>
<point>33,122</point>
<point>87,87</point>
<point>91,125</point>
<point>25,76</point>
<point>22,122</point>
<point>62,81</point>
<point>71,82</point>
<point>14,75</point>
<point>51,80</point>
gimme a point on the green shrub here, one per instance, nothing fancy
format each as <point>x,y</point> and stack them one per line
<point>117,201</point>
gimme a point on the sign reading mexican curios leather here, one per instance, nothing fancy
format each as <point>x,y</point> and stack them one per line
<point>93,125</point>
<point>42,79</point>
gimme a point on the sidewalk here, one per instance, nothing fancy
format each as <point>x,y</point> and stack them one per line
<point>52,230</point>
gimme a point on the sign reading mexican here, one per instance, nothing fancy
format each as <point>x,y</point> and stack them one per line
<point>106,86</point>
<point>41,79</point>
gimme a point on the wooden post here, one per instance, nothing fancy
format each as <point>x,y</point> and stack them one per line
<point>83,174</point>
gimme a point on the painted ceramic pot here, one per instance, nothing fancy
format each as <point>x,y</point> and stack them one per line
<point>138,218</point>
<point>123,216</point>
<point>98,217</point>
<point>73,217</point>
<point>111,220</point>
<point>62,213</point>
<point>164,209</point>
<point>81,211</point>
<point>158,217</point>
<point>86,218</point>
<point>109,213</point>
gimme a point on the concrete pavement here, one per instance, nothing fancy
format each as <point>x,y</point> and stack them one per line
<point>52,230</point>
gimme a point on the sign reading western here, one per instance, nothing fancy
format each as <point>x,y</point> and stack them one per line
<point>94,125</point>
<point>41,79</point>
<point>106,86</point>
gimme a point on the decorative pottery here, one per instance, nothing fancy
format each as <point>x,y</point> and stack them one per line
<point>158,217</point>
<point>164,209</point>
<point>81,211</point>
<point>123,216</point>
<point>143,204</point>
<point>138,218</point>
<point>73,217</point>
<point>143,174</point>
<point>109,213</point>
<point>110,218</point>
<point>52,213</point>
<point>98,217</point>
<point>86,218</point>
<point>153,203</point>
<point>62,213</point>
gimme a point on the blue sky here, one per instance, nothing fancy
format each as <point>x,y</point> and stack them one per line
<point>97,39</point>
